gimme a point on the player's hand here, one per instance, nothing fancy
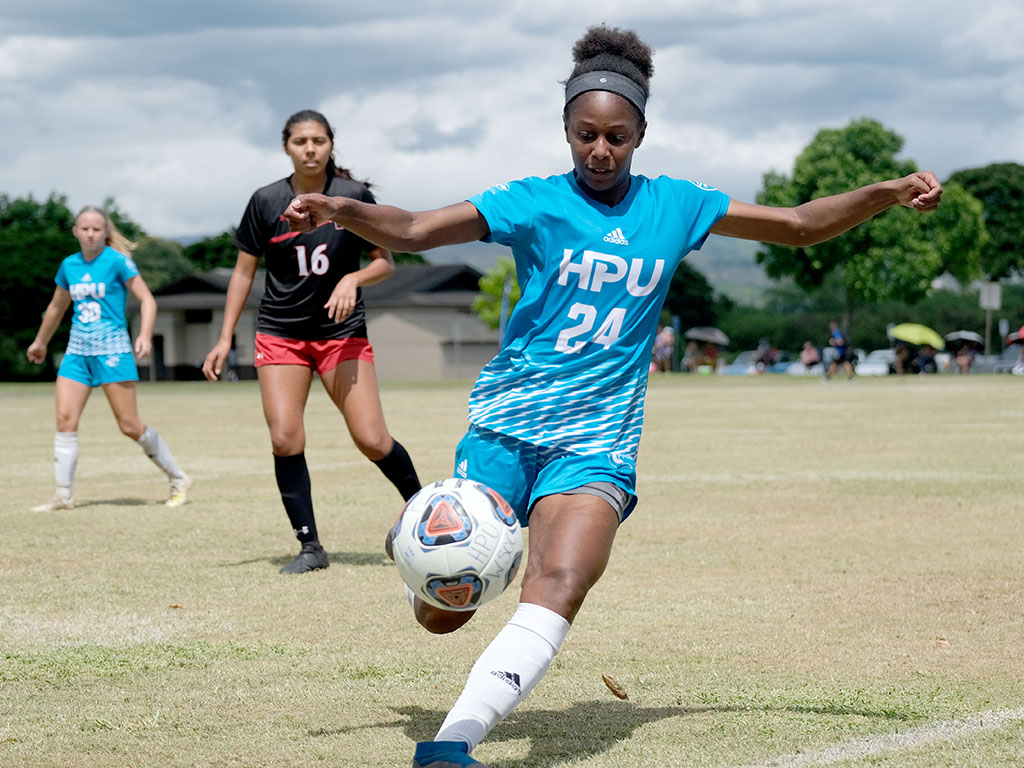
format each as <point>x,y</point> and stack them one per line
<point>343,299</point>
<point>143,346</point>
<point>214,362</point>
<point>36,352</point>
<point>306,212</point>
<point>920,191</point>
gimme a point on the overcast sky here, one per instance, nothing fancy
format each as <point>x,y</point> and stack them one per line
<point>175,109</point>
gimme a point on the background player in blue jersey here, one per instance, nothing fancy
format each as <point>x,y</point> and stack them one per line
<point>311,318</point>
<point>99,352</point>
<point>555,418</point>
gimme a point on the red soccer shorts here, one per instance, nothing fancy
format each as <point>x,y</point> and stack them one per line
<point>321,356</point>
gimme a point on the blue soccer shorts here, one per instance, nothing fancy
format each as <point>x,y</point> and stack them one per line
<point>523,472</point>
<point>95,370</point>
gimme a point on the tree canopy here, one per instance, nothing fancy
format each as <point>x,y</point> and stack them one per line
<point>692,299</point>
<point>1000,188</point>
<point>34,237</point>
<point>895,255</point>
<point>487,304</point>
<point>160,261</point>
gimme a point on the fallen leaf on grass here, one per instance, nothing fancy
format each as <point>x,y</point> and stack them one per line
<point>617,690</point>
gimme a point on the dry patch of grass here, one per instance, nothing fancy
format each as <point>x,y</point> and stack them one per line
<point>810,564</point>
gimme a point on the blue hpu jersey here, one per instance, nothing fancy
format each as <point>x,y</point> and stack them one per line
<point>98,290</point>
<point>572,371</point>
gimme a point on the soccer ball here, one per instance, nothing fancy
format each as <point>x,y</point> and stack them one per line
<point>457,544</point>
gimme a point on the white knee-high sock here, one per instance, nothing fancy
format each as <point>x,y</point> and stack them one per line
<point>157,450</point>
<point>505,673</point>
<point>65,459</point>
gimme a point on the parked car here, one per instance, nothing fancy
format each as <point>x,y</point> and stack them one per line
<point>879,362</point>
<point>742,365</point>
<point>1007,361</point>
<point>745,364</point>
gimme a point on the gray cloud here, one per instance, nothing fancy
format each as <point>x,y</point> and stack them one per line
<point>176,109</point>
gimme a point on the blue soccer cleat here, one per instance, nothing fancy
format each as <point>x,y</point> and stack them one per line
<point>444,754</point>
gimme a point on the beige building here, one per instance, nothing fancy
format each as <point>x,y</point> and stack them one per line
<point>419,323</point>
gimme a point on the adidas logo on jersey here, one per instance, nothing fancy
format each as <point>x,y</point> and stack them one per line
<point>509,677</point>
<point>616,236</point>
<point>87,278</point>
<point>463,469</point>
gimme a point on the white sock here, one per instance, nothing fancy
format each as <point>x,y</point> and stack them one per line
<point>65,459</point>
<point>157,450</point>
<point>505,673</point>
<point>410,595</point>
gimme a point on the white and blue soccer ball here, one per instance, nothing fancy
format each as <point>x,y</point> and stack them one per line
<point>457,544</point>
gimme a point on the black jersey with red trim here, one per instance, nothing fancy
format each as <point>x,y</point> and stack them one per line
<point>303,268</point>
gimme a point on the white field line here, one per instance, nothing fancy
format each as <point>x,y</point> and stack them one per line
<point>897,742</point>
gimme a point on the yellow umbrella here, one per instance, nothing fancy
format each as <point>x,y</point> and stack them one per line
<point>915,333</point>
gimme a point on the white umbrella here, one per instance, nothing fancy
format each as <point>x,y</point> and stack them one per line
<point>707,334</point>
<point>965,336</point>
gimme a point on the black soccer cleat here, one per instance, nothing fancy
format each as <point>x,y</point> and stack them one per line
<point>310,558</point>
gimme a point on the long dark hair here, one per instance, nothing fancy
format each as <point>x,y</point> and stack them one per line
<point>305,115</point>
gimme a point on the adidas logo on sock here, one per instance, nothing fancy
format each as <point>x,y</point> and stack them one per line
<point>509,677</point>
<point>616,236</point>
<point>463,468</point>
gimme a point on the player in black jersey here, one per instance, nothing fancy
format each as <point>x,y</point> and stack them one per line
<point>311,318</point>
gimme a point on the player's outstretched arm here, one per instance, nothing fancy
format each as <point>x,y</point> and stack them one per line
<point>824,218</point>
<point>387,226</point>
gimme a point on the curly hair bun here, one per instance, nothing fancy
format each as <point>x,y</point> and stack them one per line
<point>615,50</point>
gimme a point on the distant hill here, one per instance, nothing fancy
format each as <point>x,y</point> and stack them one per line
<point>729,266</point>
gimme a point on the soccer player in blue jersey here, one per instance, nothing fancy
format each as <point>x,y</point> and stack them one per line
<point>555,418</point>
<point>99,351</point>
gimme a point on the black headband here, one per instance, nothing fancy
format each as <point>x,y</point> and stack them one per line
<point>613,82</point>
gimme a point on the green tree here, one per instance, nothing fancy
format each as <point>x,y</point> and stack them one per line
<point>1000,188</point>
<point>487,304</point>
<point>401,257</point>
<point>128,228</point>
<point>692,299</point>
<point>34,237</point>
<point>212,252</point>
<point>892,256</point>
<point>160,261</point>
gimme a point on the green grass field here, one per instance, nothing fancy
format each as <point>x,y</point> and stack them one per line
<point>817,574</point>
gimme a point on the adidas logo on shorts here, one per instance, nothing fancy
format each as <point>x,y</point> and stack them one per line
<point>616,236</point>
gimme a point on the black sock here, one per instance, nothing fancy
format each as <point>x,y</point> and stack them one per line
<point>293,482</point>
<point>397,467</point>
